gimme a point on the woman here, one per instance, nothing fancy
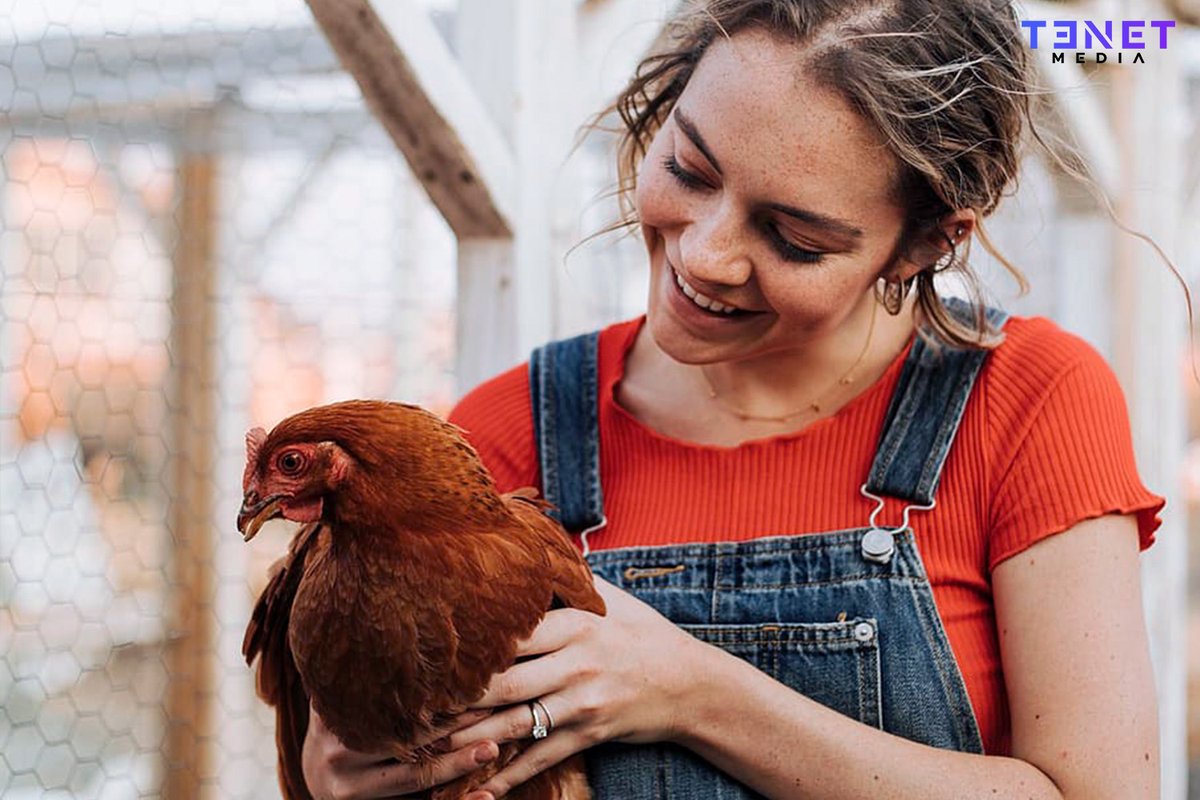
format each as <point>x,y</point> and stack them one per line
<point>854,539</point>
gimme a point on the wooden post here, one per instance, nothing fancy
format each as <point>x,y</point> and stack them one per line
<point>193,405</point>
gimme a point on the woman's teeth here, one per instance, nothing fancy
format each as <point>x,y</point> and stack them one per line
<point>707,303</point>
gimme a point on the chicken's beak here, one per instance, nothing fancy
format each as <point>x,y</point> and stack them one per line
<point>252,517</point>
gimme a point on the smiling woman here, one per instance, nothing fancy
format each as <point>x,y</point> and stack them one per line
<point>827,533</point>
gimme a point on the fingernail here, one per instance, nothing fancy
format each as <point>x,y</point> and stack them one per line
<point>480,796</point>
<point>485,753</point>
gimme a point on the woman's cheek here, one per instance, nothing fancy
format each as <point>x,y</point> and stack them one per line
<point>657,198</point>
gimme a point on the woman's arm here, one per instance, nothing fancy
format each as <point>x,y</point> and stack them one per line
<point>1074,651</point>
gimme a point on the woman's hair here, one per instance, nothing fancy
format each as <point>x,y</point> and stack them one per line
<point>947,85</point>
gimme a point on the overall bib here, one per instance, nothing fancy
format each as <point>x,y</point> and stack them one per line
<point>846,618</point>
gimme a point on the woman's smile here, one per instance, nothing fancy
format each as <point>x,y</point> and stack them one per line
<point>698,312</point>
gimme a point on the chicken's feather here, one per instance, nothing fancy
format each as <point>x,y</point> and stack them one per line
<point>278,681</point>
<point>570,576</point>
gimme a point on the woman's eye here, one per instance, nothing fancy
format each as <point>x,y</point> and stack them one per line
<point>687,179</point>
<point>789,251</point>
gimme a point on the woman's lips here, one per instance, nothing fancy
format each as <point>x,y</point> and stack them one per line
<point>686,296</point>
<point>704,301</point>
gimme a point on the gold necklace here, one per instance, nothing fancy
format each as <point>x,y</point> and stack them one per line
<point>813,405</point>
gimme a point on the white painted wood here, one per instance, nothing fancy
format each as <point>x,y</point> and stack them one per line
<point>614,36</point>
<point>418,91</point>
<point>486,307</point>
<point>520,55</point>
<point>484,326</point>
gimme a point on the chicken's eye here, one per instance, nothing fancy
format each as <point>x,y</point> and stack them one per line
<point>290,462</point>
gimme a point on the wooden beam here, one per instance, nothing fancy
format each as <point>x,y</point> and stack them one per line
<point>416,89</point>
<point>191,654</point>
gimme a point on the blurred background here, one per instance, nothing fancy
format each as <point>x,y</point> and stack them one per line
<point>204,227</point>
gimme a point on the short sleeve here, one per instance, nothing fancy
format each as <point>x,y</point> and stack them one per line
<point>497,417</point>
<point>1070,459</point>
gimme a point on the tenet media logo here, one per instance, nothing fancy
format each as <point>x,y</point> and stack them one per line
<point>1095,38</point>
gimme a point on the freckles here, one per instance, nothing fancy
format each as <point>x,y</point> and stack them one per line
<point>654,201</point>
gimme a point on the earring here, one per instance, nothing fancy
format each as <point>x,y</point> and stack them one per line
<point>958,232</point>
<point>892,298</point>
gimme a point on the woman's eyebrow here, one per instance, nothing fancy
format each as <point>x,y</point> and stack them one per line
<point>822,221</point>
<point>825,222</point>
<point>690,130</point>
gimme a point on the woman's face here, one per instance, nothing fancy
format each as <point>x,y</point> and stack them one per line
<point>767,194</point>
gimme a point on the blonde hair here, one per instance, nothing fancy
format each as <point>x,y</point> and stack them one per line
<point>947,85</point>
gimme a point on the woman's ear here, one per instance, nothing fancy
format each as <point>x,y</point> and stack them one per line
<point>932,244</point>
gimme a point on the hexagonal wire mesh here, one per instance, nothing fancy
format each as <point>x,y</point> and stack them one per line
<point>203,230</point>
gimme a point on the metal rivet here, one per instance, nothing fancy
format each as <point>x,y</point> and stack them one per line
<point>878,546</point>
<point>864,631</point>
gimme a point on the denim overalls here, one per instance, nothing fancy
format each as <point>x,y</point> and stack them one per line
<point>846,617</point>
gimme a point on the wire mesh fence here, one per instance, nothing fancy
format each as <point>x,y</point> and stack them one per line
<point>201,231</point>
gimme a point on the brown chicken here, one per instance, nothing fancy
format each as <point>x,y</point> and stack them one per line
<point>405,592</point>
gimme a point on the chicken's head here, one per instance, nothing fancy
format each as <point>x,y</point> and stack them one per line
<point>287,479</point>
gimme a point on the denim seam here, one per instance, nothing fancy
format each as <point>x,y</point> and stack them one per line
<point>907,580</point>
<point>797,542</point>
<point>784,633</point>
<point>714,604</point>
<point>592,436</point>
<point>547,428</point>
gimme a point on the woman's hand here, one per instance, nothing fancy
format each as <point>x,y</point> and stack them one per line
<point>334,772</point>
<point>623,676</point>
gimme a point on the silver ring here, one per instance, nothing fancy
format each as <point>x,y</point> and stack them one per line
<point>540,730</point>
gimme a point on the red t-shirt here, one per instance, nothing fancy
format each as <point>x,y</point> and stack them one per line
<point>1044,443</point>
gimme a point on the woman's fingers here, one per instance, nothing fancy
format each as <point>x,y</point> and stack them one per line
<point>440,736</point>
<point>540,757</point>
<point>332,769</point>
<point>529,679</point>
<point>511,724</point>
<point>388,780</point>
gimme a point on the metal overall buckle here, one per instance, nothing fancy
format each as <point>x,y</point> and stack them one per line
<point>879,544</point>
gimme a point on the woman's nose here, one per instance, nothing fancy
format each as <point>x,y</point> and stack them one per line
<point>714,250</point>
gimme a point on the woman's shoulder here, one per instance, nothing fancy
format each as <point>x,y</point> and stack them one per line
<point>1042,376</point>
<point>1041,367</point>
<point>1036,352</point>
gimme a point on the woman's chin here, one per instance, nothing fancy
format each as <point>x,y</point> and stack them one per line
<point>680,344</point>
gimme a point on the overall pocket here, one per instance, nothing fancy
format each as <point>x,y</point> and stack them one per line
<point>835,663</point>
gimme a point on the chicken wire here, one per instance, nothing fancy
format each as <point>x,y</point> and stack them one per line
<point>203,230</point>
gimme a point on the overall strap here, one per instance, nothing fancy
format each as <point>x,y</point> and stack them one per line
<point>925,412</point>
<point>563,386</point>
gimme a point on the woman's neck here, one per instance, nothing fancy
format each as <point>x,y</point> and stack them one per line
<point>729,402</point>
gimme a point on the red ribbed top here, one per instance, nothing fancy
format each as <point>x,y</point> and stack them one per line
<point>1044,443</point>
